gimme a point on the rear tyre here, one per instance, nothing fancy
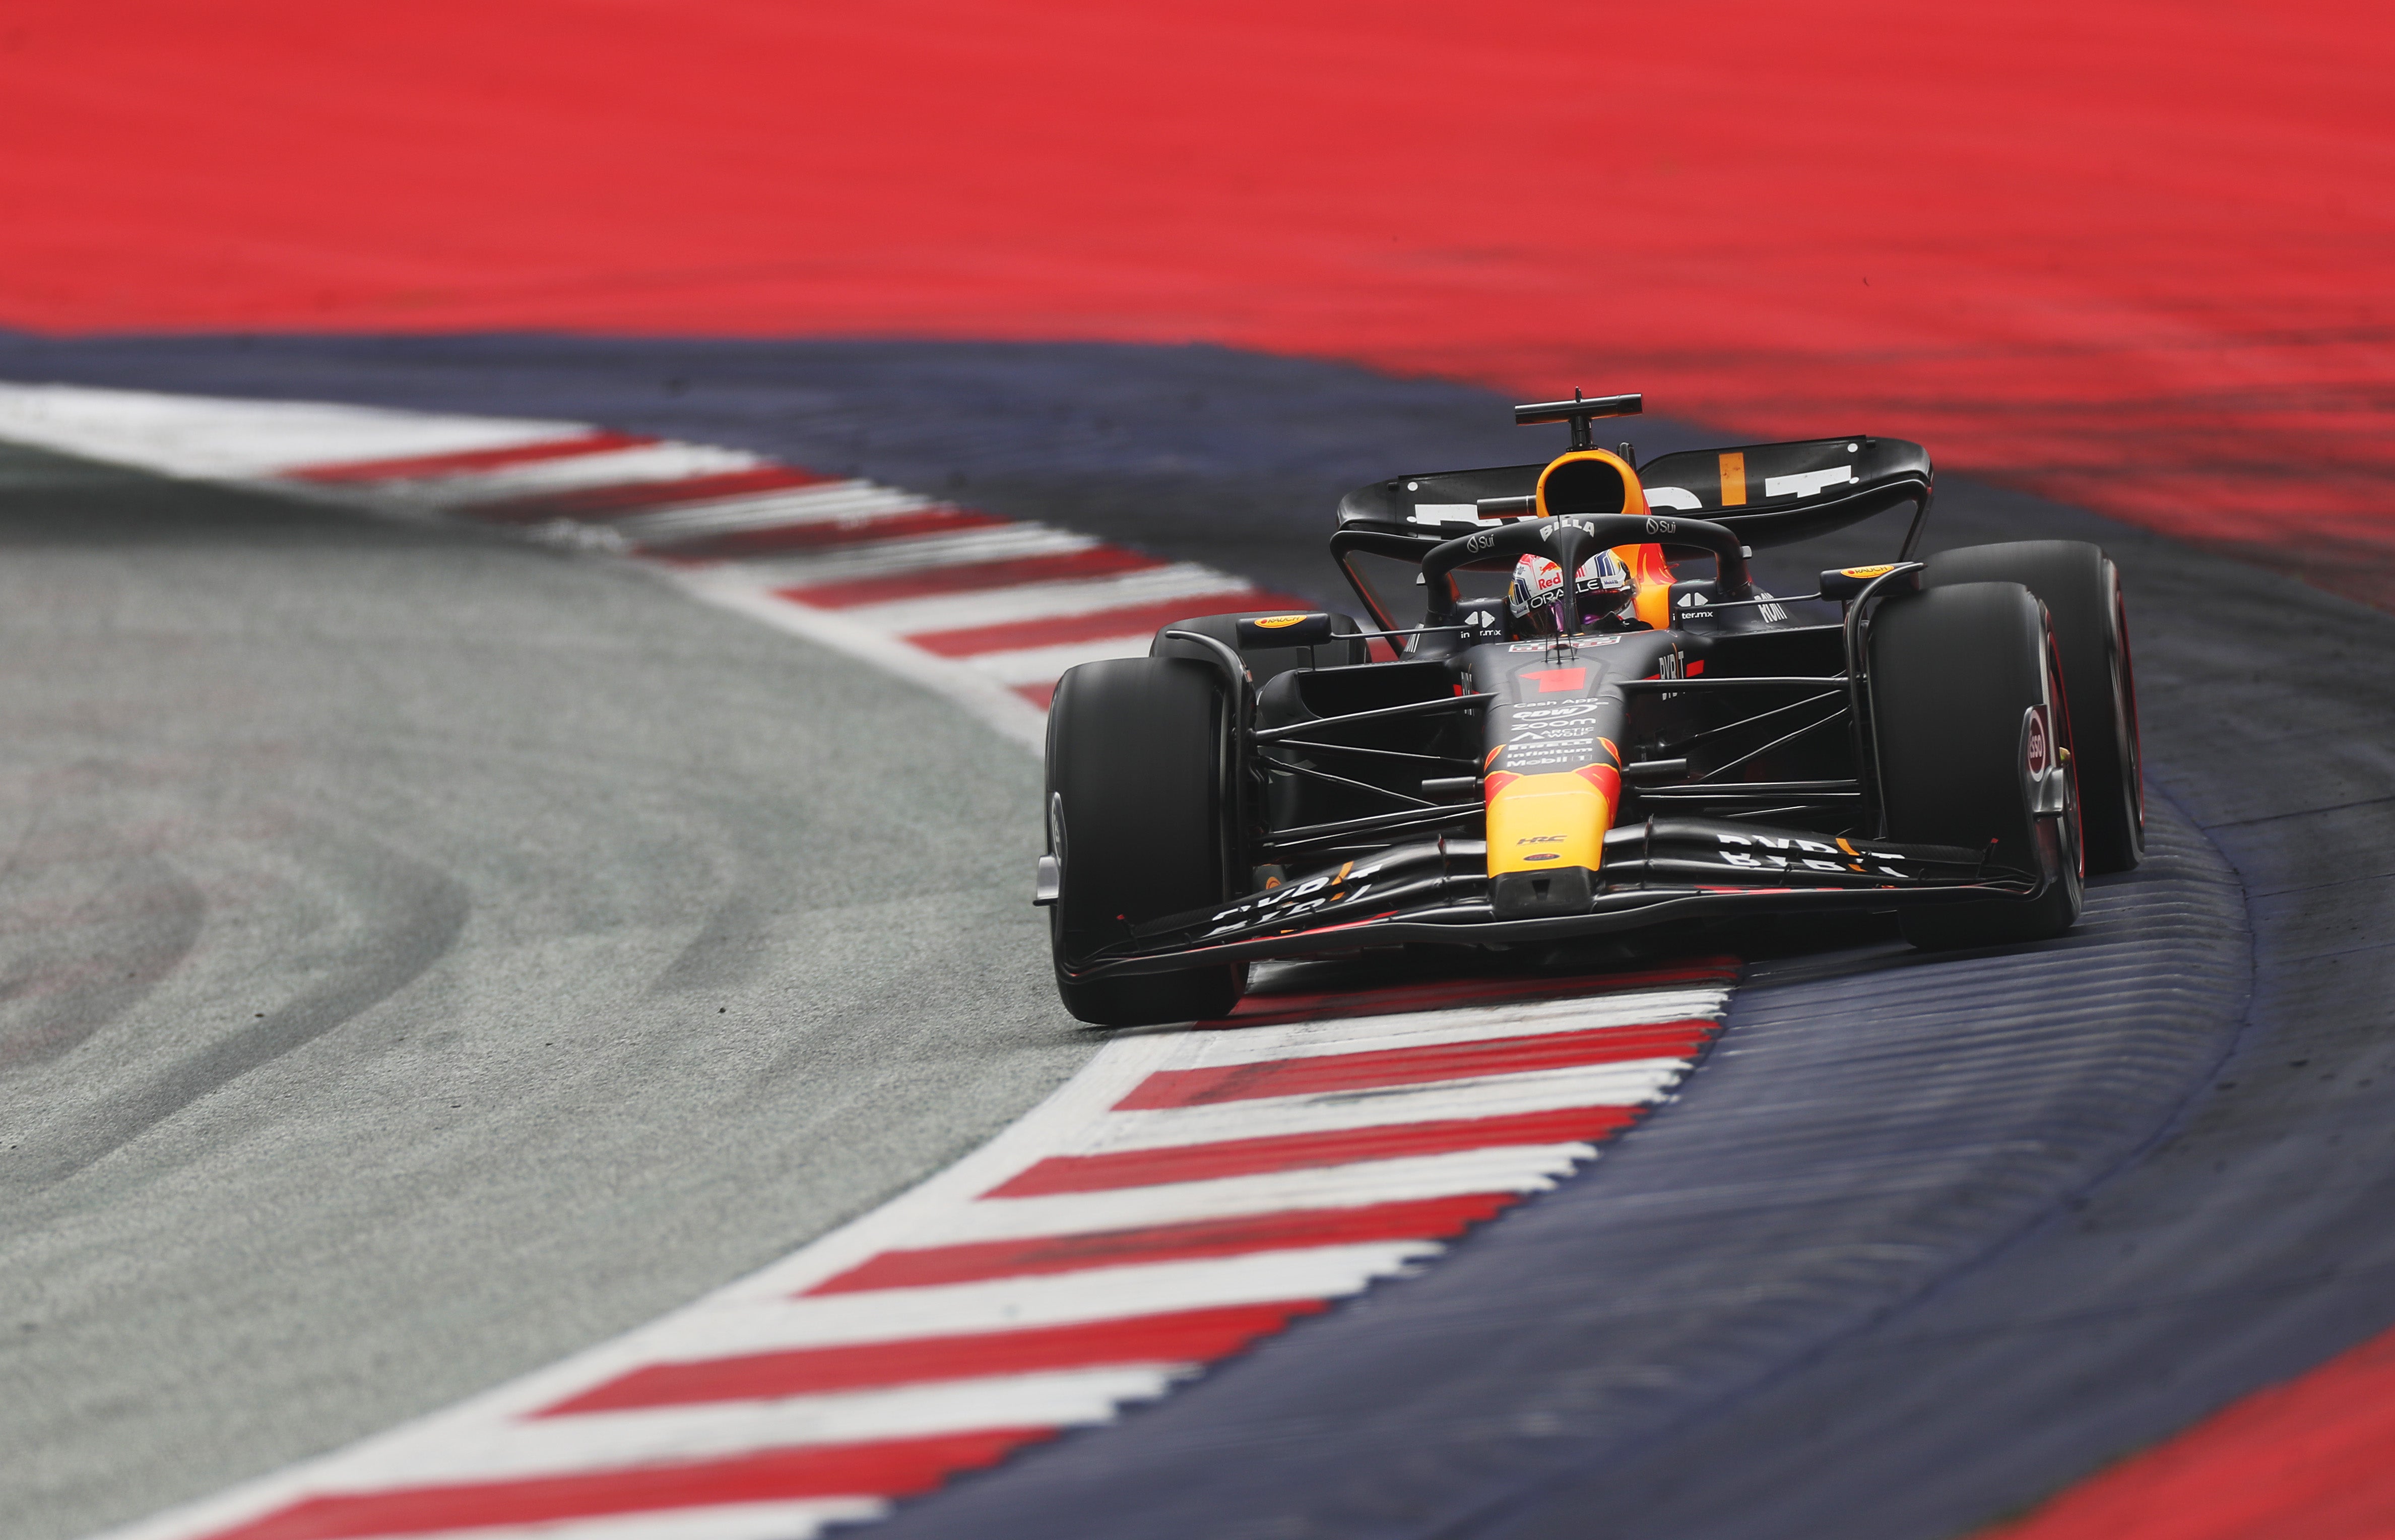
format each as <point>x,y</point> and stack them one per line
<point>1954,672</point>
<point>1140,826</point>
<point>2082,590</point>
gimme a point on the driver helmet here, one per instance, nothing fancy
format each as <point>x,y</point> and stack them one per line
<point>1536,594</point>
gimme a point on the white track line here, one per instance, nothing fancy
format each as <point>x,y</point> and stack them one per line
<point>1635,1083</point>
<point>1507,1168</point>
<point>609,1440</point>
<point>220,439</point>
<point>646,464</point>
<point>1097,1293</point>
<point>1036,601</point>
<point>986,698</point>
<point>1438,1029</point>
<point>833,502</point>
<point>998,543</point>
<point>1253,1241</point>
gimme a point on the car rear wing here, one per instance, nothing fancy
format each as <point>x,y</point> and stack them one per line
<point>1769,494</point>
<point>1777,494</point>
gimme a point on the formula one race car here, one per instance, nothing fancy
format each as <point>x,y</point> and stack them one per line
<point>1575,739</point>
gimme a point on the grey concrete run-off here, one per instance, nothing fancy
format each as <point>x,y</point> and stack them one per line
<point>422,956</point>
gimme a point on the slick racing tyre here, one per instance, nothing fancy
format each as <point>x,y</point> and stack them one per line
<point>1138,822</point>
<point>2082,590</point>
<point>1955,672</point>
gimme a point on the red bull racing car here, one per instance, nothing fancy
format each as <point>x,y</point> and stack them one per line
<point>1574,712</point>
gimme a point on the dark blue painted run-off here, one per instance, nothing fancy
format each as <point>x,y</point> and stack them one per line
<point>1925,1240</point>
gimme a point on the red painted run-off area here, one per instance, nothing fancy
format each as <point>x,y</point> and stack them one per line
<point>2314,1460</point>
<point>2136,256</point>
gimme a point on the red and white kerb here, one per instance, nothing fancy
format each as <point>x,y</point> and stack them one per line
<point>1185,1195</point>
<point>985,609</point>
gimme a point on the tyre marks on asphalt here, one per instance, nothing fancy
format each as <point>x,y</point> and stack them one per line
<point>1189,1192</point>
<point>88,946</point>
<point>985,610</point>
<point>402,916</point>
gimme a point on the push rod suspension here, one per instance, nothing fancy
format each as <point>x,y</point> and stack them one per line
<point>1312,774</point>
<point>1416,707</point>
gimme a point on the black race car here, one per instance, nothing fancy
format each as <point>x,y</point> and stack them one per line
<point>1548,732</point>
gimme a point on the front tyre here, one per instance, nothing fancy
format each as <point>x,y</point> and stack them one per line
<point>2082,590</point>
<point>1956,673</point>
<point>1140,823</point>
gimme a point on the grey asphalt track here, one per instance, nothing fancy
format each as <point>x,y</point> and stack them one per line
<point>422,955</point>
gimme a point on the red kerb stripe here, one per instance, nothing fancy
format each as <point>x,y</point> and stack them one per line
<point>466,461</point>
<point>1510,1056</point>
<point>1128,621</point>
<point>1420,1219</point>
<point>825,535</point>
<point>1131,1168</point>
<point>1183,1336</point>
<point>1261,1010</point>
<point>1042,696</point>
<point>623,498</point>
<point>973,577</point>
<point>893,1467</point>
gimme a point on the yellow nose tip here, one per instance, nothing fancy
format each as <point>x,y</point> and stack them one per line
<point>1553,821</point>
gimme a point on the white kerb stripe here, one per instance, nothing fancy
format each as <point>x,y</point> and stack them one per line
<point>834,502</point>
<point>1506,1168</point>
<point>606,1441</point>
<point>215,437</point>
<point>984,697</point>
<point>1336,1037</point>
<point>1054,1299</point>
<point>911,554</point>
<point>1633,1083</point>
<point>1037,600</point>
<point>646,465</point>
